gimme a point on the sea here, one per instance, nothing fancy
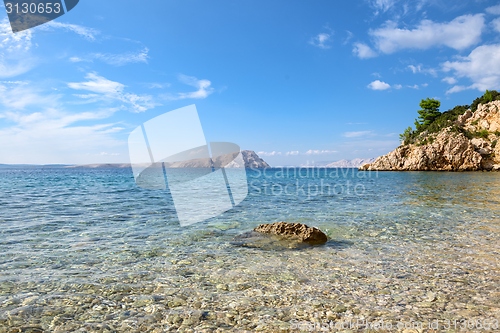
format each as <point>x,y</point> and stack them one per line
<point>86,249</point>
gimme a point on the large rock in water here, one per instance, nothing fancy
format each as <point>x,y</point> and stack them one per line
<point>281,236</point>
<point>294,231</point>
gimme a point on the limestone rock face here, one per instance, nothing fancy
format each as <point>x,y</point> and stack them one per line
<point>252,160</point>
<point>296,231</point>
<point>451,151</point>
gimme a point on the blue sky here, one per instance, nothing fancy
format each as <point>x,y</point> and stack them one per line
<point>296,81</point>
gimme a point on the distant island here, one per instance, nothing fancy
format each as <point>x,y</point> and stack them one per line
<point>461,139</point>
<point>250,158</point>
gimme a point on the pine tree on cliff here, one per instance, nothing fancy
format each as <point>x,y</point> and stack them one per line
<point>428,113</point>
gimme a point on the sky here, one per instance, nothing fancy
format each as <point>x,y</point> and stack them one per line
<point>299,82</point>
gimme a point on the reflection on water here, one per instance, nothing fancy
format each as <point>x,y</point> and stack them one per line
<point>403,246</point>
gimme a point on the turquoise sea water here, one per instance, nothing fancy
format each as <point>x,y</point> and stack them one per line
<point>68,232</point>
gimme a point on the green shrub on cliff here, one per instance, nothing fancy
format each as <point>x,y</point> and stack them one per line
<point>428,113</point>
<point>489,95</point>
<point>430,120</point>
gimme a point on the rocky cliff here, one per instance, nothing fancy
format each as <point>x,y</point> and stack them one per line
<point>252,160</point>
<point>470,144</point>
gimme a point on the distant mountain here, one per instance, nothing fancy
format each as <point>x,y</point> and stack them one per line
<point>102,166</point>
<point>355,163</point>
<point>250,160</point>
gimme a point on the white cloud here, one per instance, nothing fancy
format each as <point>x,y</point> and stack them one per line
<point>292,153</point>
<point>87,33</point>
<point>13,42</point>
<point>16,96</point>
<point>52,137</point>
<point>43,132</point>
<point>15,58</point>
<point>496,24</point>
<point>156,85</point>
<point>383,5</point>
<point>265,153</point>
<point>349,36</point>
<point>495,10</point>
<point>481,66</point>
<point>107,90</point>
<point>357,134</point>
<point>456,89</point>
<point>203,86</point>
<point>379,85</point>
<point>363,51</point>
<point>420,69</point>
<point>319,152</point>
<point>449,80</point>
<point>116,59</point>
<point>397,86</point>
<point>414,69</point>
<point>321,40</point>
<point>460,33</point>
<point>98,84</point>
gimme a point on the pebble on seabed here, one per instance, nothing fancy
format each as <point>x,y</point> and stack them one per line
<point>229,288</point>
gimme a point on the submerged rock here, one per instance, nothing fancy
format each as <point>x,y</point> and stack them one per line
<point>280,236</point>
<point>294,231</point>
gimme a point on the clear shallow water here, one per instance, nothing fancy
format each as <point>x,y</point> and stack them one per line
<point>87,248</point>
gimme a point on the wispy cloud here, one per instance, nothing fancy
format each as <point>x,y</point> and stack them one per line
<point>357,134</point>
<point>111,91</point>
<point>42,131</point>
<point>270,153</point>
<point>421,69</point>
<point>496,24</point>
<point>320,152</point>
<point>379,85</point>
<point>87,33</point>
<point>363,51</point>
<point>495,10</point>
<point>203,87</point>
<point>120,59</point>
<point>449,80</point>
<point>292,153</point>
<point>15,57</point>
<point>16,96</point>
<point>296,152</point>
<point>382,5</point>
<point>456,89</point>
<point>460,33</point>
<point>321,40</point>
<point>156,85</point>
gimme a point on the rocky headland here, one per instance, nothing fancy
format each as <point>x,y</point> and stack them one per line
<point>466,141</point>
<point>250,160</point>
